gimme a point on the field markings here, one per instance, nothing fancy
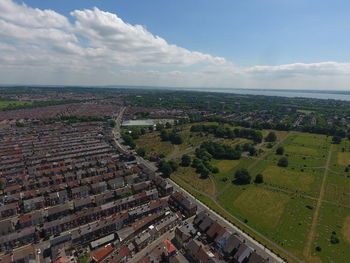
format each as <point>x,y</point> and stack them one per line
<point>311,235</point>
<point>303,195</point>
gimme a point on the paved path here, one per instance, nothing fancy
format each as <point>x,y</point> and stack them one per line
<point>311,235</point>
<point>177,154</point>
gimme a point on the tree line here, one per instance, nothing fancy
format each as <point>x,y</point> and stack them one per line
<point>222,131</point>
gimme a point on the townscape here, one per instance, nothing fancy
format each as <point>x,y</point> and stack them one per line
<point>99,175</point>
<point>174,131</point>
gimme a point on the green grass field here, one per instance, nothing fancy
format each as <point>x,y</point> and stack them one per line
<point>153,145</point>
<point>307,181</point>
<point>338,189</point>
<point>332,219</point>
<point>227,170</point>
<point>341,157</point>
<point>283,218</point>
<point>189,176</point>
<point>4,104</point>
<point>282,208</point>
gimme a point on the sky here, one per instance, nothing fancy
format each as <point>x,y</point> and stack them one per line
<point>277,44</point>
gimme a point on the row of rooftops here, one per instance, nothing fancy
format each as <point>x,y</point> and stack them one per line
<point>228,245</point>
<point>42,216</point>
<point>63,196</point>
<point>95,185</point>
<point>72,109</point>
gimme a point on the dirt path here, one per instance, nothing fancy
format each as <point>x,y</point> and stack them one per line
<point>214,184</point>
<point>311,236</point>
<point>174,153</point>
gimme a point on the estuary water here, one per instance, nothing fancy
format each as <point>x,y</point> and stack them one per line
<point>290,94</point>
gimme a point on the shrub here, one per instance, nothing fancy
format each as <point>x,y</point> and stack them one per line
<point>259,179</point>
<point>280,150</point>
<point>283,162</point>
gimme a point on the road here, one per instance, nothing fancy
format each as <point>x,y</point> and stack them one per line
<point>265,252</point>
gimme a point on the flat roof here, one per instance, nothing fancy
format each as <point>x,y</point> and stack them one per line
<point>102,241</point>
<point>147,122</point>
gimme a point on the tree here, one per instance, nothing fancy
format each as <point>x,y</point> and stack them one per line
<point>204,172</point>
<point>112,123</point>
<point>164,135</point>
<point>336,140</point>
<point>128,140</point>
<point>271,137</point>
<point>280,150</point>
<point>196,162</point>
<point>165,168</point>
<point>283,162</point>
<point>159,127</point>
<point>186,160</point>
<point>176,139</point>
<point>168,125</point>
<point>259,179</point>
<point>252,151</point>
<point>242,176</point>
<point>215,170</point>
<point>173,165</point>
<point>141,152</point>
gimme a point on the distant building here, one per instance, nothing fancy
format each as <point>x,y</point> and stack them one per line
<point>129,123</point>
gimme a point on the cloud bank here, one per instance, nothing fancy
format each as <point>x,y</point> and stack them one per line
<point>99,48</point>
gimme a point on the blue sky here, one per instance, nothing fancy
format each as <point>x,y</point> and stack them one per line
<point>261,44</point>
<point>268,32</point>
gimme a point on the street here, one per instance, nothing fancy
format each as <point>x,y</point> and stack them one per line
<point>265,252</point>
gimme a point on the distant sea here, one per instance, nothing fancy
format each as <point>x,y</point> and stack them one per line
<point>328,95</point>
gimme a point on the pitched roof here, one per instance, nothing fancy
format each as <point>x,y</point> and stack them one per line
<point>101,254</point>
<point>169,246</point>
<point>256,258</point>
<point>232,243</point>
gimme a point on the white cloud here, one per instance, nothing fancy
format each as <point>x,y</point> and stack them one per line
<point>132,45</point>
<point>30,17</point>
<point>99,48</point>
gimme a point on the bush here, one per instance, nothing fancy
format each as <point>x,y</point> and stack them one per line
<point>334,239</point>
<point>259,179</point>
<point>204,173</point>
<point>271,137</point>
<point>174,166</point>
<point>280,150</point>
<point>141,152</point>
<point>283,162</point>
<point>336,140</point>
<point>186,160</point>
<point>196,162</point>
<point>215,170</point>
